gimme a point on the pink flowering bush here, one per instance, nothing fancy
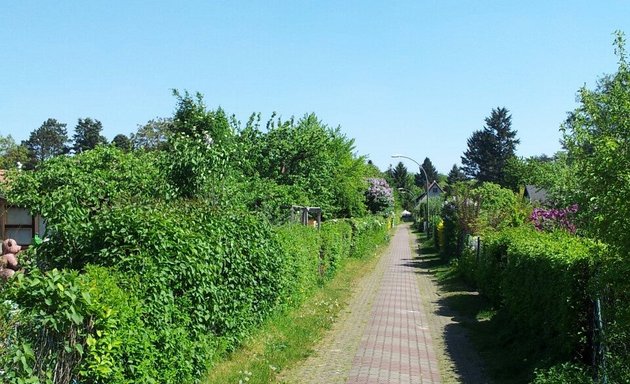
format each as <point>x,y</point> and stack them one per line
<point>379,196</point>
<point>554,218</point>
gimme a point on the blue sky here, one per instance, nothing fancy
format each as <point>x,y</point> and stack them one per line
<point>410,77</point>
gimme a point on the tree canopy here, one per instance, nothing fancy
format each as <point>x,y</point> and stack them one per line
<point>152,135</point>
<point>87,135</point>
<point>123,142</point>
<point>596,136</point>
<point>11,154</point>
<point>432,173</point>
<point>47,141</point>
<point>400,176</point>
<point>455,175</point>
<point>489,149</point>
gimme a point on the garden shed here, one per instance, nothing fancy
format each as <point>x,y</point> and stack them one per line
<point>17,223</point>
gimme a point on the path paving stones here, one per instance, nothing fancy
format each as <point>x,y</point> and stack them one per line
<point>396,346</point>
<point>384,334</point>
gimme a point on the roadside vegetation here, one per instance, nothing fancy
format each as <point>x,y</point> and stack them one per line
<point>290,336</point>
<point>552,273</point>
<point>159,261</point>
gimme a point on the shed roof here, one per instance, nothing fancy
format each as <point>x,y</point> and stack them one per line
<point>536,194</point>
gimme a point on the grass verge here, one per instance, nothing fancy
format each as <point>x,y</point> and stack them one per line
<point>288,337</point>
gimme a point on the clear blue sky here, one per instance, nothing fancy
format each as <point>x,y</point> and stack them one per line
<point>410,77</point>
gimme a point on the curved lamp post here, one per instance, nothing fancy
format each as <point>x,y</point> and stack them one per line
<point>426,179</point>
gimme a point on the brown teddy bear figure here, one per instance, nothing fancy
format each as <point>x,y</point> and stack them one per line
<point>8,261</point>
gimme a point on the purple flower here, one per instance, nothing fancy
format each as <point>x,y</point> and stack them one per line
<point>550,219</point>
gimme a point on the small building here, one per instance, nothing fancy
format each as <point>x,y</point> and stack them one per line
<point>17,223</point>
<point>535,195</point>
<point>434,191</point>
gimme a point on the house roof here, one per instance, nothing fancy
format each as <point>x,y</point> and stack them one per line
<point>433,184</point>
<point>536,194</point>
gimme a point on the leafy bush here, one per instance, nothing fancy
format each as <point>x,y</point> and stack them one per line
<point>540,282</point>
<point>476,210</point>
<point>612,287</point>
<point>302,247</point>
<point>271,200</point>
<point>155,262</point>
<point>554,218</point>
<point>224,264</point>
<point>72,193</point>
<point>71,327</point>
<point>367,234</point>
<point>562,374</point>
<point>498,208</point>
<point>336,242</point>
<point>379,196</point>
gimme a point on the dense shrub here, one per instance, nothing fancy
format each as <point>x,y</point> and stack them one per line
<point>154,262</point>
<point>175,286</point>
<point>336,242</point>
<point>612,286</point>
<point>564,373</point>
<point>70,326</point>
<point>73,192</point>
<point>476,210</point>
<point>540,282</point>
<point>367,234</point>
<point>379,196</point>
<point>498,208</point>
<point>226,265</point>
<point>302,247</point>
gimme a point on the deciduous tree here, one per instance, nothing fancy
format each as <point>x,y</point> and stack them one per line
<point>152,135</point>
<point>11,154</point>
<point>597,138</point>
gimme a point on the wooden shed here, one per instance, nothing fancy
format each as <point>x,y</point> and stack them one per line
<point>17,223</point>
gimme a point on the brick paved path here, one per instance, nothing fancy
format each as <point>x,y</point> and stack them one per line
<point>382,336</point>
<point>396,346</point>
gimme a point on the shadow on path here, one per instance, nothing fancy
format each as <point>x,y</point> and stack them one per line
<point>454,307</point>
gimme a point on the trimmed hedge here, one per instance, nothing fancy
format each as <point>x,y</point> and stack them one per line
<point>541,282</point>
<point>185,283</point>
<point>302,246</point>
<point>336,238</point>
<point>367,234</point>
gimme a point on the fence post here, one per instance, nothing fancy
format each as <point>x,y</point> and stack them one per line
<point>478,248</point>
<point>599,347</point>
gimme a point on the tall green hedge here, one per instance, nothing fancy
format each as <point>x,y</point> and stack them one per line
<point>541,283</point>
<point>164,289</point>
<point>302,246</point>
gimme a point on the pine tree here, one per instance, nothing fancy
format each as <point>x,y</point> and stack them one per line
<point>400,175</point>
<point>419,178</point>
<point>455,175</point>
<point>490,148</point>
<point>87,135</point>
<point>48,140</point>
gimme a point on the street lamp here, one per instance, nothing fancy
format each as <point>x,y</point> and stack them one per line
<point>426,178</point>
